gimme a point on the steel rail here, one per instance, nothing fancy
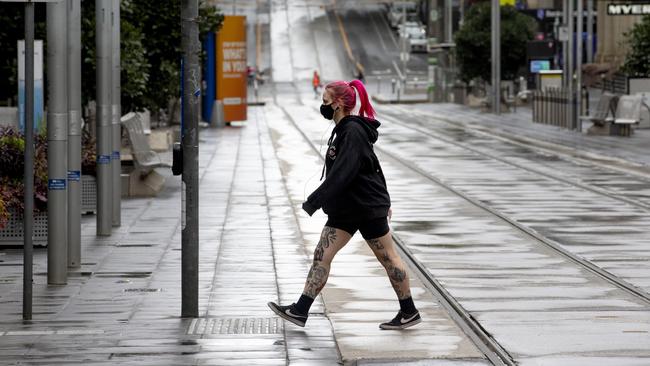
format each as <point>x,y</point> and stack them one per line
<point>600,191</point>
<point>600,272</point>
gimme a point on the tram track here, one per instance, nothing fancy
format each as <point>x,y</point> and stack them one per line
<point>483,340</point>
<point>483,153</point>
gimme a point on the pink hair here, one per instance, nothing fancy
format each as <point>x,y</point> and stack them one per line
<point>343,92</point>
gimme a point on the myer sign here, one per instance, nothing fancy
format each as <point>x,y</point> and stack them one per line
<point>628,9</point>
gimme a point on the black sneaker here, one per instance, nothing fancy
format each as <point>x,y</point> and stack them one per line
<point>402,321</point>
<point>289,313</point>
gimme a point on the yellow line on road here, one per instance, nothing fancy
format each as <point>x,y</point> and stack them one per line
<point>344,36</point>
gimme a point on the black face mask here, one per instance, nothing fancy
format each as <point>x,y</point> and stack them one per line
<point>327,111</point>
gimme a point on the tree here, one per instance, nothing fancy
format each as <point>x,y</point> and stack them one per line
<point>637,61</point>
<point>150,46</point>
<point>473,42</point>
<point>159,23</point>
<point>151,50</point>
<point>134,65</point>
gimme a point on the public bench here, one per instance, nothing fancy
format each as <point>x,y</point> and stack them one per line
<point>144,158</point>
<point>143,180</point>
<point>628,112</point>
<point>606,105</point>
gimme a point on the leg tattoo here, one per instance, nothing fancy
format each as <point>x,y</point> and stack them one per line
<point>316,280</point>
<point>394,268</point>
<point>375,244</point>
<point>327,238</point>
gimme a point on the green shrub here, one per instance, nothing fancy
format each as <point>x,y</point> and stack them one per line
<point>474,42</point>
<point>637,61</point>
<point>12,189</point>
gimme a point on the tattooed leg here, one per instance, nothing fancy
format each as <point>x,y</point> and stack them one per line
<point>331,241</point>
<point>384,250</point>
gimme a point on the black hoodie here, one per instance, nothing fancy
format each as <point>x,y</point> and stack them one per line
<point>354,188</point>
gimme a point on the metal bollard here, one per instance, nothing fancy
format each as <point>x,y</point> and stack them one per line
<point>393,82</point>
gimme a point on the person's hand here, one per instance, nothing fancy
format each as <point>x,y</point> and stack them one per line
<point>390,213</point>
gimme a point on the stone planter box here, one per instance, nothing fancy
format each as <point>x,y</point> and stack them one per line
<point>12,234</point>
<point>88,194</point>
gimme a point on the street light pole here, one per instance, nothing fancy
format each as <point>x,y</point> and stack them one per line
<point>579,67</point>
<point>566,5</point>
<point>496,56</point>
<point>74,134</point>
<point>190,146</point>
<point>28,217</point>
<point>590,31</point>
<point>570,63</point>
<point>57,143</point>
<point>449,16</point>
<point>103,35</point>
<point>116,163</point>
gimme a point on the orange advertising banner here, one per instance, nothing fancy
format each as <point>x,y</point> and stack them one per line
<point>232,68</point>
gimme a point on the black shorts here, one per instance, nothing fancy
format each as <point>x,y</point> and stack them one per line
<point>370,229</point>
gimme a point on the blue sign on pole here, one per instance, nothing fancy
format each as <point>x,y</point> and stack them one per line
<point>103,159</point>
<point>56,184</point>
<point>74,175</point>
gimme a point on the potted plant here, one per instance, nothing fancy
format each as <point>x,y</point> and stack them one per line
<point>12,189</point>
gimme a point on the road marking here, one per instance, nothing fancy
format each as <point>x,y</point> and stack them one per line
<point>383,20</point>
<point>346,43</point>
<point>399,73</point>
<point>381,39</point>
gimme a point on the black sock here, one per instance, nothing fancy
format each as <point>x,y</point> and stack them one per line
<point>303,304</point>
<point>407,306</point>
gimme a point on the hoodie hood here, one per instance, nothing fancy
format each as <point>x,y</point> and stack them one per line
<point>369,125</point>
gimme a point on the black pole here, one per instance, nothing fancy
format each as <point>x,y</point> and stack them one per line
<point>28,216</point>
<point>190,147</point>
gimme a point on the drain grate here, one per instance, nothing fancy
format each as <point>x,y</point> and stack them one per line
<point>204,326</point>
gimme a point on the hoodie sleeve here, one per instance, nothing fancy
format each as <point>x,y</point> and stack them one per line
<point>343,171</point>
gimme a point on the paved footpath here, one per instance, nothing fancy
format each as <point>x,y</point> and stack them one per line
<point>122,306</point>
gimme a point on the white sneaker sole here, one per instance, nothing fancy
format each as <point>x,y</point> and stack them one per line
<point>285,316</point>
<point>399,327</point>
